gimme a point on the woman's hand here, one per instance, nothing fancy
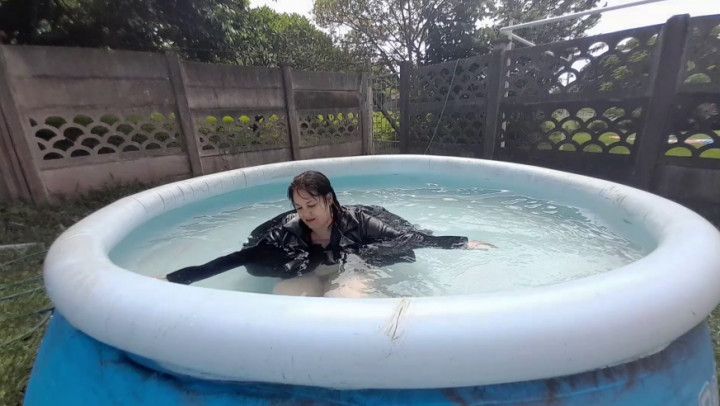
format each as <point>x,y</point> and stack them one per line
<point>478,245</point>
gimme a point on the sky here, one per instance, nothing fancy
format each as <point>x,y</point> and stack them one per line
<point>639,16</point>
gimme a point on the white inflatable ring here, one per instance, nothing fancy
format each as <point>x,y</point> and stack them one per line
<point>427,342</point>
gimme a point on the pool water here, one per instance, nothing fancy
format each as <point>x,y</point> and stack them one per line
<point>539,241</point>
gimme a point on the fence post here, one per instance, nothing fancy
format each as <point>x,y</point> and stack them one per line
<point>292,115</point>
<point>366,114</point>
<point>662,91</point>
<point>405,70</point>
<point>495,95</point>
<point>10,170</point>
<point>187,121</point>
<point>19,131</point>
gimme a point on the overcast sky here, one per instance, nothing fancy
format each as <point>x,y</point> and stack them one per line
<point>639,16</point>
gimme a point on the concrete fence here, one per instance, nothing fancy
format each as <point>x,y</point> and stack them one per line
<point>75,119</point>
<point>639,106</point>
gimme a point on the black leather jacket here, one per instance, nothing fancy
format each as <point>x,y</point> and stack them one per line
<point>281,247</point>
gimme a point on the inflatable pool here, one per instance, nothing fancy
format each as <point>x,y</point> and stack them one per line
<point>632,335</point>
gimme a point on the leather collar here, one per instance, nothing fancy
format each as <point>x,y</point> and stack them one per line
<point>345,224</point>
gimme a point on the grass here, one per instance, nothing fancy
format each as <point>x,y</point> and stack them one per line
<point>23,312</point>
<point>24,308</point>
<point>715,331</point>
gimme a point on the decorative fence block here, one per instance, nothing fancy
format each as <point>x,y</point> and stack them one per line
<point>606,127</point>
<point>465,79</point>
<point>694,130</point>
<point>447,106</point>
<point>602,65</point>
<point>701,60</point>
<point>322,127</point>
<point>241,132</point>
<point>71,136</point>
<point>458,126</point>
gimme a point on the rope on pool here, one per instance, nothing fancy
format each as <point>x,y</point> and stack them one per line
<point>447,95</point>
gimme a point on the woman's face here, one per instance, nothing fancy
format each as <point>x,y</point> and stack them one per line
<point>313,211</point>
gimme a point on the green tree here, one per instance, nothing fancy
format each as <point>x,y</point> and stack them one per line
<point>510,12</point>
<point>290,39</point>
<point>454,33</point>
<point>429,31</point>
<point>205,30</point>
<point>197,29</point>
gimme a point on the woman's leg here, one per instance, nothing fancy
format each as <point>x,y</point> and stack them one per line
<point>304,285</point>
<point>348,284</point>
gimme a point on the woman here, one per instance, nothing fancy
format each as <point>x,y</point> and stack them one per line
<point>302,245</point>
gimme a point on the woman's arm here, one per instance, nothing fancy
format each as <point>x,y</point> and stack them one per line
<point>383,240</point>
<point>262,255</point>
<point>259,260</point>
<point>192,274</point>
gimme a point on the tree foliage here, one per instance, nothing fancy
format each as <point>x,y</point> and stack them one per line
<point>430,31</point>
<point>290,39</point>
<point>205,30</point>
<point>519,11</point>
<point>199,28</point>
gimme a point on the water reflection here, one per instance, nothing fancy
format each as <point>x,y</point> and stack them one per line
<point>539,242</point>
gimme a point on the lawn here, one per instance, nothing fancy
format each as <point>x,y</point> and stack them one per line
<point>24,308</point>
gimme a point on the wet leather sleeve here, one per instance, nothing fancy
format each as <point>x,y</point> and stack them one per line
<point>382,240</point>
<point>192,274</point>
<point>259,260</point>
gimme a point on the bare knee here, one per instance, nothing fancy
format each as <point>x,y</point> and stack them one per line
<point>348,286</point>
<point>305,285</point>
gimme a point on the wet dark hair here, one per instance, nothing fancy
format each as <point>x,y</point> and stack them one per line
<point>317,185</point>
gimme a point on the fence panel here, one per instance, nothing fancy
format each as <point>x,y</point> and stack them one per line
<point>701,60</point>
<point>447,105</point>
<point>238,114</point>
<point>82,107</point>
<point>92,117</point>
<point>618,64</point>
<point>329,113</point>
<point>386,113</point>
